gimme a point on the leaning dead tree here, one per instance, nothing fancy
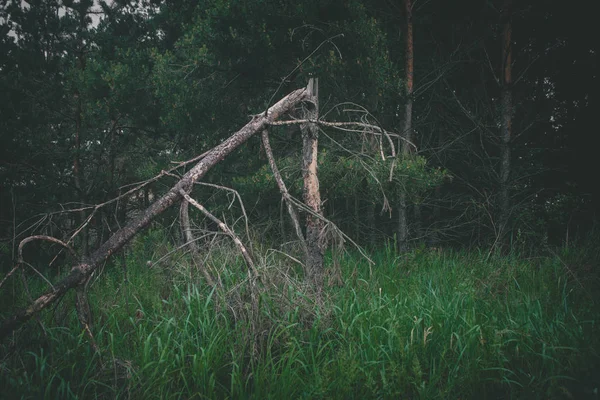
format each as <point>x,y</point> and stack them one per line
<point>81,271</point>
<point>312,242</point>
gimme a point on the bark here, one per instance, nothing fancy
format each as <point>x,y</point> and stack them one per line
<point>83,270</point>
<point>408,132</point>
<point>312,195</point>
<point>505,120</point>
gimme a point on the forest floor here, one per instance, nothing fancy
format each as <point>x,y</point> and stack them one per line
<point>425,324</point>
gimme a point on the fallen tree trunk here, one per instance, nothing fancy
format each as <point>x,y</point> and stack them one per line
<point>84,269</point>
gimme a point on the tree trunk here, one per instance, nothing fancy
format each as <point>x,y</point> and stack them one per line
<point>81,271</point>
<point>77,168</point>
<point>356,217</point>
<point>402,233</point>
<point>417,226</point>
<point>312,195</point>
<point>371,222</point>
<point>408,133</point>
<point>435,239</point>
<point>505,121</point>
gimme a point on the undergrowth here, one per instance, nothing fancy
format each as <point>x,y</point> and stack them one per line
<point>425,324</point>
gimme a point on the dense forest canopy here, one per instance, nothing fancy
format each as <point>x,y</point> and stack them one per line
<point>98,95</point>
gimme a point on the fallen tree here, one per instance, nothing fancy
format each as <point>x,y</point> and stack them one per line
<point>316,223</point>
<point>82,270</point>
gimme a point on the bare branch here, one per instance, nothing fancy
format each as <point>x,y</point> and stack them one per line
<point>283,190</point>
<point>12,271</point>
<point>345,126</point>
<point>237,195</point>
<point>189,239</point>
<point>224,228</point>
<point>43,237</point>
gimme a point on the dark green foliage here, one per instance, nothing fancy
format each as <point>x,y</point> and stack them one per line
<point>153,82</point>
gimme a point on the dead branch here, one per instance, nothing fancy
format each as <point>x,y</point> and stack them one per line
<point>252,271</point>
<point>239,198</point>
<point>245,253</point>
<point>188,236</point>
<point>137,186</point>
<point>291,201</point>
<point>12,271</point>
<point>347,127</point>
<point>47,238</point>
<point>283,189</point>
<point>21,261</point>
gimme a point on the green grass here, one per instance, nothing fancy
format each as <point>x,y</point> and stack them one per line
<point>432,325</point>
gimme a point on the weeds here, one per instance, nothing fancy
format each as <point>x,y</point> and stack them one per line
<point>427,324</point>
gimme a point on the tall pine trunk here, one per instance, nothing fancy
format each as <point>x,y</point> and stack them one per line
<point>505,122</point>
<point>402,234</point>
<point>435,238</point>
<point>77,167</point>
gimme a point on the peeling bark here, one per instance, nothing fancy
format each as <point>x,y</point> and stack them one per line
<point>312,195</point>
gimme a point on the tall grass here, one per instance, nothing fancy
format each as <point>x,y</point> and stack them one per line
<point>426,324</point>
